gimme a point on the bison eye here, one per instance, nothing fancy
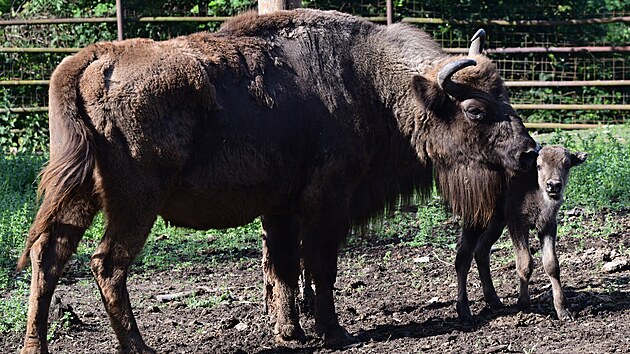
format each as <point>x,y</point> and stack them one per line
<point>475,113</point>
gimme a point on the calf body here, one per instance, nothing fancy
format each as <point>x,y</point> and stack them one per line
<point>532,202</point>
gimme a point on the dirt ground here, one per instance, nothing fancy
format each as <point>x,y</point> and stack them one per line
<point>393,297</point>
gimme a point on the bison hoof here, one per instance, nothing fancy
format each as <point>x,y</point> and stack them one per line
<point>337,337</point>
<point>287,333</point>
<point>33,350</point>
<point>136,349</point>
<point>465,316</point>
<point>494,303</point>
<point>524,305</point>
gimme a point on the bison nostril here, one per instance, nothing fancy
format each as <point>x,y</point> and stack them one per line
<point>554,186</point>
<point>537,148</point>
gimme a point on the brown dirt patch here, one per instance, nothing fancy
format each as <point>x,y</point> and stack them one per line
<point>395,298</point>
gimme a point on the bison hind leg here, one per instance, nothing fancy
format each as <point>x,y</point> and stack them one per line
<point>125,234</point>
<point>281,269</point>
<point>53,238</point>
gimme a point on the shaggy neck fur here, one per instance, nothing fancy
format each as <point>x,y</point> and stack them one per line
<point>470,188</point>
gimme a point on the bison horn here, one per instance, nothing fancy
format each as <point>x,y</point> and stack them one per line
<point>477,42</point>
<point>451,87</point>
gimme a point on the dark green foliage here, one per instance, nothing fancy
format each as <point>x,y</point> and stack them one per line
<point>18,175</point>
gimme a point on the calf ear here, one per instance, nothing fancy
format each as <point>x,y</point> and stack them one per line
<point>577,158</point>
<point>429,93</point>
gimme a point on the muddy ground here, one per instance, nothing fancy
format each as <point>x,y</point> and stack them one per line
<point>393,297</point>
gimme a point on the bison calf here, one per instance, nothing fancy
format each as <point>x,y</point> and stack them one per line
<point>532,202</point>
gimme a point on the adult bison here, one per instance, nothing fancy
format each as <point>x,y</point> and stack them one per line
<point>313,120</point>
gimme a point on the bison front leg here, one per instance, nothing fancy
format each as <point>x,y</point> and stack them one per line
<point>466,245</point>
<point>110,264</point>
<point>281,266</point>
<point>321,244</point>
<point>482,258</point>
<point>552,268</point>
<point>56,239</point>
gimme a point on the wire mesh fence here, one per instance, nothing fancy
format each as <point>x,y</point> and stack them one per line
<point>567,67</point>
<point>531,70</point>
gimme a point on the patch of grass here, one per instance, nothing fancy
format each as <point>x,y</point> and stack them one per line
<point>420,224</point>
<point>171,247</point>
<point>13,308</point>
<point>18,174</point>
<point>225,297</point>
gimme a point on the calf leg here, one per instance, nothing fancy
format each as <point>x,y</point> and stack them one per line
<point>524,266</point>
<point>281,268</point>
<point>552,268</point>
<point>123,240</point>
<point>306,295</point>
<point>466,245</point>
<point>58,239</point>
<point>482,258</point>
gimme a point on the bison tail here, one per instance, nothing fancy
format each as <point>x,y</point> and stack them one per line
<point>69,170</point>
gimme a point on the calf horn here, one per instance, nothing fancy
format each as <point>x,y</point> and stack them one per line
<point>451,87</point>
<point>477,42</point>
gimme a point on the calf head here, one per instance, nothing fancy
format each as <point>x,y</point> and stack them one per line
<point>474,138</point>
<point>553,165</point>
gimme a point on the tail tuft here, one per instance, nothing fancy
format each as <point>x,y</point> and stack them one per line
<point>72,160</point>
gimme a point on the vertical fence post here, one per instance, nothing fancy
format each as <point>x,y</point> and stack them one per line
<point>268,6</point>
<point>390,12</point>
<point>119,19</point>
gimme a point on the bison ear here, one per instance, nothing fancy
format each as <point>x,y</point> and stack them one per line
<point>577,158</point>
<point>429,93</point>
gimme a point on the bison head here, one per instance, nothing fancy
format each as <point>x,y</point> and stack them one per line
<point>472,135</point>
<point>553,164</point>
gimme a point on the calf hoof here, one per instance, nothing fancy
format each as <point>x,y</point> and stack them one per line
<point>564,315</point>
<point>466,319</point>
<point>337,337</point>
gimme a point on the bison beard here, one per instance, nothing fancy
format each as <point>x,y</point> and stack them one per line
<point>470,191</point>
<point>315,121</point>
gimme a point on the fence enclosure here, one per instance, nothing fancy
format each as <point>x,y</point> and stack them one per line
<point>554,81</point>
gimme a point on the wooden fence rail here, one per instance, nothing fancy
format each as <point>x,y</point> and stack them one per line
<point>416,20</point>
<point>517,84</point>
